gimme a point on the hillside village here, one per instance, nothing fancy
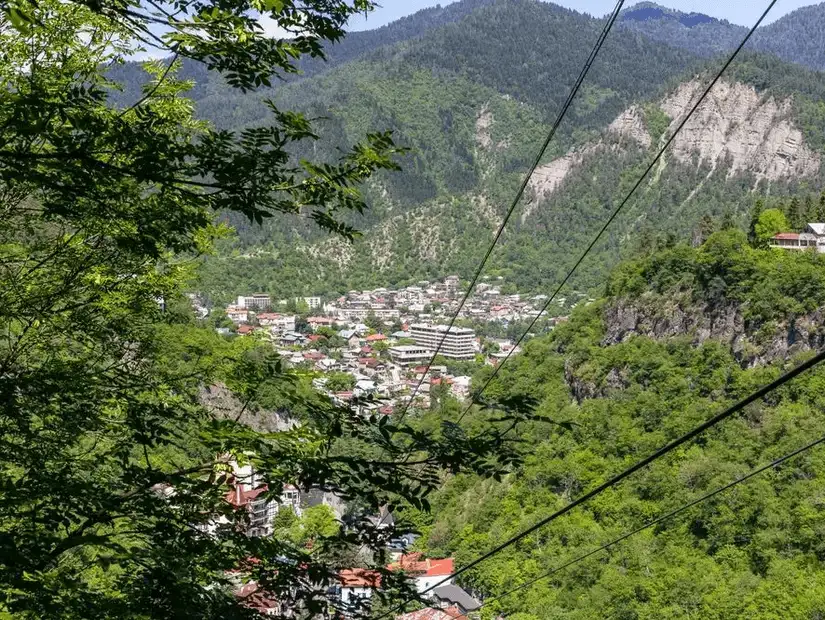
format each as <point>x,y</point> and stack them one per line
<point>377,343</point>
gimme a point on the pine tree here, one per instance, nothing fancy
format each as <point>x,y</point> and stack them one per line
<point>820,209</point>
<point>704,229</point>
<point>810,209</point>
<point>757,210</point>
<point>796,214</point>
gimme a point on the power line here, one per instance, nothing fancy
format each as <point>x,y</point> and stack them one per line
<point>568,102</point>
<point>658,520</point>
<point>727,413</point>
<point>818,358</point>
<point>619,209</point>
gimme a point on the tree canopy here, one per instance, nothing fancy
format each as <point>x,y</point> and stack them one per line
<point>122,414</point>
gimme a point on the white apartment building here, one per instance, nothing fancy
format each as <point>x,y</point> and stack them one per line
<point>361,313</point>
<point>457,342</point>
<point>313,302</point>
<point>237,315</point>
<point>262,512</point>
<point>278,323</point>
<point>257,301</point>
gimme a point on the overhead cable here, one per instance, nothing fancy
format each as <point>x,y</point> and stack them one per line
<point>619,209</point>
<point>693,433</point>
<point>568,102</point>
<point>656,521</point>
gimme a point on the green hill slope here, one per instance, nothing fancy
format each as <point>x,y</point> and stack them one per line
<point>682,333</point>
<point>796,37</point>
<point>758,133</point>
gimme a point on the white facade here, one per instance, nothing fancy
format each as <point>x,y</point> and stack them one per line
<point>350,595</point>
<point>258,301</point>
<point>813,237</point>
<point>406,355</point>
<point>262,512</point>
<point>237,315</point>
<point>361,313</point>
<point>313,302</point>
<point>283,324</point>
<point>457,343</point>
<point>425,582</point>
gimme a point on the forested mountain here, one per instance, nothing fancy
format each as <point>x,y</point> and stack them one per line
<point>796,37</point>
<point>681,333</point>
<point>471,89</point>
<point>701,34</point>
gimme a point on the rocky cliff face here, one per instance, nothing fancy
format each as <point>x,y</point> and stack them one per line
<point>653,316</point>
<point>735,126</point>
<point>752,343</point>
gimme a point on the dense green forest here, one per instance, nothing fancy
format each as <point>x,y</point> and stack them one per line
<point>796,37</point>
<point>624,391</point>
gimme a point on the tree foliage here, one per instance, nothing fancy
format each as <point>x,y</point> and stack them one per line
<point>120,412</point>
<point>625,382</point>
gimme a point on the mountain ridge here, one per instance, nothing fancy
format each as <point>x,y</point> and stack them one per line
<point>473,110</point>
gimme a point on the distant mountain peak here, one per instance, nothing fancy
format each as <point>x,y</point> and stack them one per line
<point>650,11</point>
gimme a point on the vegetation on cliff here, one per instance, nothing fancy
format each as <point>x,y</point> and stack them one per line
<point>753,552</point>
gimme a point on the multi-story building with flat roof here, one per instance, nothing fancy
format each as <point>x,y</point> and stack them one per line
<point>458,341</point>
<point>409,354</point>
<point>257,301</point>
<point>313,302</point>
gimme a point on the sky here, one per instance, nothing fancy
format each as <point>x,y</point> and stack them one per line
<point>743,12</point>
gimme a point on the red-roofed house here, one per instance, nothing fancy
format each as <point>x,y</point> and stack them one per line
<point>450,613</point>
<point>244,330</point>
<point>262,510</point>
<point>438,380</point>
<point>266,318</point>
<point>358,583</point>
<point>369,362</point>
<point>813,237</point>
<point>319,321</point>
<point>376,338</point>
<point>426,571</point>
<point>252,597</point>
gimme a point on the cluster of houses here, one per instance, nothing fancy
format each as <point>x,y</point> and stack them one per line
<point>388,356</point>
<point>375,344</point>
<point>246,491</point>
<point>433,302</point>
<point>447,600</point>
<point>419,303</point>
<point>382,363</point>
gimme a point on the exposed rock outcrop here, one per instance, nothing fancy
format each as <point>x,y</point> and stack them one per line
<point>547,178</point>
<point>224,405</point>
<point>735,125</point>
<point>484,121</point>
<point>630,125</point>
<point>752,343</point>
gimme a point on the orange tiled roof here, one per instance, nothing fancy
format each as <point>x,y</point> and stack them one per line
<point>359,578</point>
